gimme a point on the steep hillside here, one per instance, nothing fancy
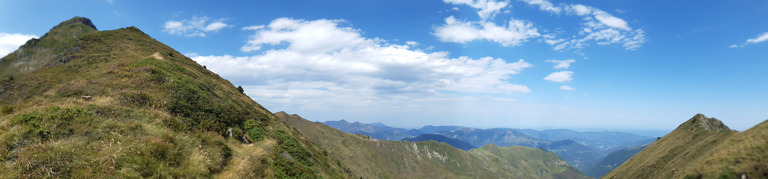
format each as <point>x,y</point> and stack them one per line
<point>701,148</point>
<point>84,103</point>
<point>440,138</point>
<point>401,159</point>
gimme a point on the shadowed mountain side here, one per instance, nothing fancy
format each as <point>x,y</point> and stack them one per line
<point>613,160</point>
<point>400,159</point>
<point>701,148</point>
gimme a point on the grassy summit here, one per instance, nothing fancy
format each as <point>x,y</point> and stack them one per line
<point>152,112</point>
<point>701,148</point>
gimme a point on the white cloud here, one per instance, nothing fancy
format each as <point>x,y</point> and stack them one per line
<point>561,76</point>
<point>215,26</point>
<point>610,20</point>
<point>579,9</point>
<point>515,33</point>
<point>567,88</point>
<point>196,26</point>
<point>562,64</point>
<point>255,27</point>
<point>545,5</point>
<point>11,42</point>
<point>759,39</point>
<point>486,8</point>
<point>321,63</point>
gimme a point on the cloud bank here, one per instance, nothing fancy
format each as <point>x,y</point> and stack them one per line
<point>320,63</point>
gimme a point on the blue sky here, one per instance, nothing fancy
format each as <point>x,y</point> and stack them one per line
<point>483,63</point>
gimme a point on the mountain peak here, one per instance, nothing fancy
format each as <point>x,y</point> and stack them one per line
<point>699,121</point>
<point>77,20</point>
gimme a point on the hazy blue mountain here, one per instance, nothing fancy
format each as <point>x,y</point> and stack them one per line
<point>582,150</point>
<point>603,142</point>
<point>440,138</point>
<point>430,129</point>
<point>375,130</point>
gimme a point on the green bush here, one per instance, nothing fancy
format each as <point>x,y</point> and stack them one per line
<point>237,133</point>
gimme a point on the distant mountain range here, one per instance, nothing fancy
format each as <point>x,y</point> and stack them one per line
<point>375,130</point>
<point>371,158</point>
<point>582,150</point>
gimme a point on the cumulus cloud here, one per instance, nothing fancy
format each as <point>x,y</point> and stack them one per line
<point>561,76</point>
<point>567,88</point>
<point>194,27</point>
<point>321,62</point>
<point>317,36</point>
<point>562,64</point>
<point>485,8</point>
<point>11,42</point>
<point>514,33</point>
<point>759,39</point>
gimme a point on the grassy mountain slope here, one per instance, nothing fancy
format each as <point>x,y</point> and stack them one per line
<point>528,162</point>
<point>152,113</point>
<point>701,148</point>
<point>370,158</point>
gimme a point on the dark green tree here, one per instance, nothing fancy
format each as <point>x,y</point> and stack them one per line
<point>240,89</point>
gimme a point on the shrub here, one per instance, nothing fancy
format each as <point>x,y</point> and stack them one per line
<point>6,110</point>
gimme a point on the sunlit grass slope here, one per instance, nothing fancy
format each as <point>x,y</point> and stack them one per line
<point>152,113</point>
<point>701,148</point>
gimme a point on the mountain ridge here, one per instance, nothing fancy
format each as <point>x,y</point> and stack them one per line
<point>118,103</point>
<point>701,147</point>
